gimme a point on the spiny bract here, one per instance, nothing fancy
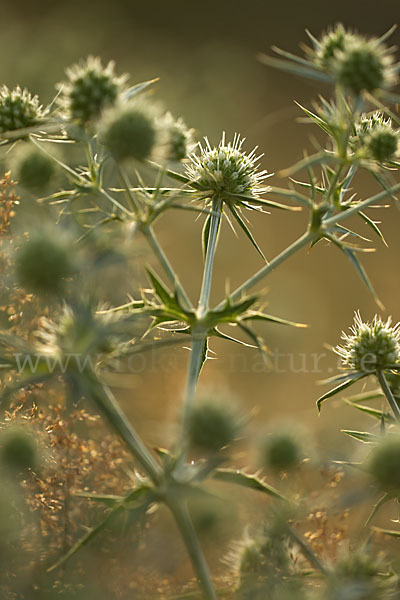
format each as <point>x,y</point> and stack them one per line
<point>226,168</point>
<point>370,346</point>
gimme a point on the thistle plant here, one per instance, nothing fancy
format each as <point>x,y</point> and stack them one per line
<point>125,138</point>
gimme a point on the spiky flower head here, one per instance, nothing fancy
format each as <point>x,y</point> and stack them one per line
<point>376,137</point>
<point>370,346</point>
<point>83,334</point>
<point>176,138</point>
<point>226,168</point>
<point>130,131</point>
<point>384,463</point>
<point>18,448</point>
<point>334,40</point>
<point>364,65</point>
<point>212,426</point>
<point>18,109</point>
<point>90,89</point>
<point>32,169</point>
<point>282,450</point>
<point>44,261</point>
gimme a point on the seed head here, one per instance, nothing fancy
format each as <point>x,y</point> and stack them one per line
<point>90,89</point>
<point>384,463</point>
<point>129,132</point>
<point>282,451</point>
<point>226,168</point>
<point>81,332</point>
<point>43,262</point>
<point>18,448</point>
<point>32,169</point>
<point>18,109</point>
<point>177,139</point>
<point>364,65</point>
<point>330,43</point>
<point>212,426</point>
<point>376,135</point>
<point>370,346</point>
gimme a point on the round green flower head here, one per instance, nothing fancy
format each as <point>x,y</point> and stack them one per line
<point>282,451</point>
<point>18,448</point>
<point>384,464</point>
<point>43,262</point>
<point>376,135</point>
<point>364,65</point>
<point>212,426</point>
<point>129,132</point>
<point>226,168</point>
<point>370,346</point>
<point>177,138</point>
<point>90,89</point>
<point>18,109</point>
<point>32,169</point>
<point>330,43</point>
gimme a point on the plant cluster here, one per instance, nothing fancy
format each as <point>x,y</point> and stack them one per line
<point>86,160</point>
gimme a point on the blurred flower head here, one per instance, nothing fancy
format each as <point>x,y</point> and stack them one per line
<point>90,89</point>
<point>18,109</point>
<point>130,131</point>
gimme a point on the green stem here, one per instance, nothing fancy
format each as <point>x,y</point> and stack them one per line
<point>193,373</point>
<point>114,415</point>
<point>185,525</point>
<point>299,243</point>
<point>129,194</point>
<point>158,251</point>
<point>388,393</point>
<point>210,254</point>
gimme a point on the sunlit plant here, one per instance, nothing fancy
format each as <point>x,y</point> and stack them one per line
<point>122,135</point>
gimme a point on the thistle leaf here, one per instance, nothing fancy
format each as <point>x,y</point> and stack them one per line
<point>246,230</point>
<point>243,479</point>
<point>342,386</point>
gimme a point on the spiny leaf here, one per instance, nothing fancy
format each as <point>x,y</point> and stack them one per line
<point>204,354</point>
<point>138,88</point>
<point>238,477</point>
<point>246,230</point>
<point>363,274</point>
<point>259,316</point>
<point>362,436</point>
<point>217,333</point>
<point>365,396</point>
<point>206,235</point>
<point>246,200</point>
<point>108,499</point>
<point>373,412</point>
<point>294,69</point>
<point>373,226</point>
<point>91,533</point>
<point>160,289</point>
<point>342,386</point>
<point>391,532</point>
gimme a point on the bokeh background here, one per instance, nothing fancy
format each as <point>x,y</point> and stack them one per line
<point>205,54</point>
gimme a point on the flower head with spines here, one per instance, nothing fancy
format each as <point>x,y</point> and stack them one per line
<point>90,88</point>
<point>364,65</point>
<point>176,137</point>
<point>18,109</point>
<point>226,168</point>
<point>370,346</point>
<point>377,135</point>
